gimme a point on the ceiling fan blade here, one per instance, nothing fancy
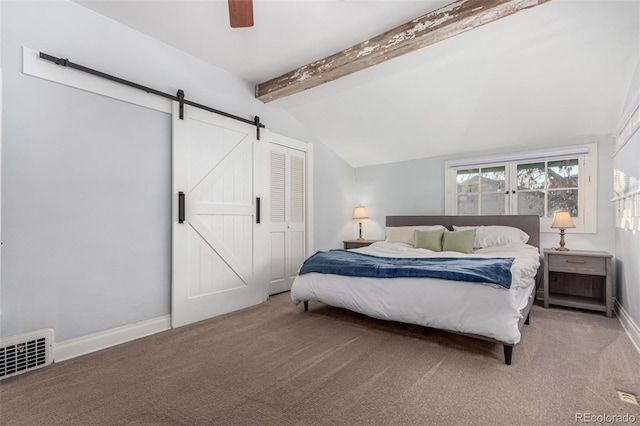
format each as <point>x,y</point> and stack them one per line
<point>241,13</point>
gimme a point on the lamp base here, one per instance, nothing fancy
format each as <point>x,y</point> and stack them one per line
<point>562,247</point>
<point>360,232</point>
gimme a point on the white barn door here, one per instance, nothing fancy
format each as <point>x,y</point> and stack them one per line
<point>288,190</point>
<point>218,249</point>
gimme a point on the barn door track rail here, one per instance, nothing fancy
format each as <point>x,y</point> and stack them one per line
<point>178,97</point>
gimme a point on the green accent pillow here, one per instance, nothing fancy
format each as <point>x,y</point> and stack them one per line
<point>430,240</point>
<point>460,241</point>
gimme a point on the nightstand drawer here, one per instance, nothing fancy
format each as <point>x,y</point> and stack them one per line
<point>353,244</point>
<point>587,265</point>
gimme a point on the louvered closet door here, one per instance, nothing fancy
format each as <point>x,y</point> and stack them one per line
<point>217,249</point>
<point>287,218</point>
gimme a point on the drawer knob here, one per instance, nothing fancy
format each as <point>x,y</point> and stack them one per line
<point>582,262</point>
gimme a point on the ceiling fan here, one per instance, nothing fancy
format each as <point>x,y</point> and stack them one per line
<point>241,13</point>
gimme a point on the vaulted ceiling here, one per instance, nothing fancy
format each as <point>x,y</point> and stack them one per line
<point>550,73</point>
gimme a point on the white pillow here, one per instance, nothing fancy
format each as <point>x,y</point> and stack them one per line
<point>404,234</point>
<point>495,235</point>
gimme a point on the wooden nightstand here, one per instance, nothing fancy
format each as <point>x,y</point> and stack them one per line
<point>351,244</point>
<point>578,279</point>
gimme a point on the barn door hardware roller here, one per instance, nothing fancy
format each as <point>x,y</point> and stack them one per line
<point>179,97</point>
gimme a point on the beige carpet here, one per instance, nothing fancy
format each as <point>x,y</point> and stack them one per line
<point>275,364</point>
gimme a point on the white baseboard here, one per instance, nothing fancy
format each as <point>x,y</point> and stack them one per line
<point>632,329</point>
<point>94,342</point>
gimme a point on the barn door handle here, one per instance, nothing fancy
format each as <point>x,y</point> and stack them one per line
<point>257,209</point>
<point>180,207</point>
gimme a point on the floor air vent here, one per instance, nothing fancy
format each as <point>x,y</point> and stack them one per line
<point>25,352</point>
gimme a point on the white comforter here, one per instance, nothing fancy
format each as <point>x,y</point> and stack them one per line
<point>482,309</point>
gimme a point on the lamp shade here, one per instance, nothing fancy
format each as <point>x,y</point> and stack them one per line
<point>360,213</point>
<point>562,220</point>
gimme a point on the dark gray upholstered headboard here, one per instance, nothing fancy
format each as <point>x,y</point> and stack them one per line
<point>528,223</point>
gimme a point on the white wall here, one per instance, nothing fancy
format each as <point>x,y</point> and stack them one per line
<point>417,187</point>
<point>1,132</point>
<point>86,180</point>
<point>413,187</point>
<point>627,242</point>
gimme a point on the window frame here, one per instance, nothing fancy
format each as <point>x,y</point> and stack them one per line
<point>586,221</point>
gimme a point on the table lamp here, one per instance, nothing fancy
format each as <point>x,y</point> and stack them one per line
<point>562,221</point>
<point>360,213</point>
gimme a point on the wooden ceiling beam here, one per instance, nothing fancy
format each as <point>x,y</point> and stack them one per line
<point>441,24</point>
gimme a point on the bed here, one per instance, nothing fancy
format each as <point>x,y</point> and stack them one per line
<point>462,304</point>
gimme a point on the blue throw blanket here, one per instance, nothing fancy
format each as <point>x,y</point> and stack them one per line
<point>353,264</point>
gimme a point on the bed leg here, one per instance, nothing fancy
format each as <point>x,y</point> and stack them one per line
<point>306,305</point>
<point>508,350</point>
<point>425,331</point>
<point>526,321</point>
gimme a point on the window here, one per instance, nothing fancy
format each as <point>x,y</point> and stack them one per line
<point>538,183</point>
<point>481,191</point>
